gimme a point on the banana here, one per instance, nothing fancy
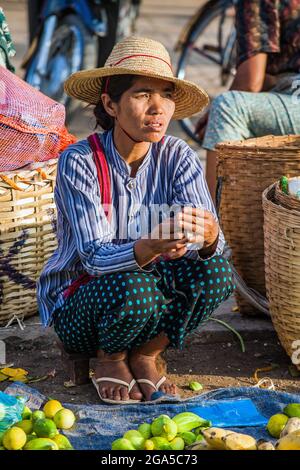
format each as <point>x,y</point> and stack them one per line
<point>292,425</point>
<point>237,441</point>
<point>289,442</point>
<point>214,437</point>
<point>264,445</point>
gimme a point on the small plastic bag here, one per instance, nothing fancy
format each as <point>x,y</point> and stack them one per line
<point>11,409</point>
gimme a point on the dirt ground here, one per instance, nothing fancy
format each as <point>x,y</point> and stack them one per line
<point>213,365</point>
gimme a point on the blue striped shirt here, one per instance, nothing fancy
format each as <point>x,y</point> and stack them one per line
<point>170,173</point>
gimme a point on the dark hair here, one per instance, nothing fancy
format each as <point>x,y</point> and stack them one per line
<point>117,85</point>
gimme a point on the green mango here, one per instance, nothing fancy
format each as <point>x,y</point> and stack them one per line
<point>188,437</point>
<point>164,426</point>
<point>135,438</point>
<point>188,421</point>
<point>122,444</point>
<point>41,443</point>
<point>177,444</point>
<point>292,410</point>
<point>145,430</point>
<point>157,443</point>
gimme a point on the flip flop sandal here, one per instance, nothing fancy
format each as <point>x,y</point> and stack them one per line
<point>116,381</point>
<point>158,395</point>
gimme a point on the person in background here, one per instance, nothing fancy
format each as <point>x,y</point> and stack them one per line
<point>263,97</point>
<point>7,49</point>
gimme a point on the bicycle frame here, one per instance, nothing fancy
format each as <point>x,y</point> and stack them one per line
<point>81,8</point>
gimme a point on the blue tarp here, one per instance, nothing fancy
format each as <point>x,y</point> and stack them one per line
<point>244,409</point>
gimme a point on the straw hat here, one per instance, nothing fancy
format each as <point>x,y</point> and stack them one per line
<point>137,56</point>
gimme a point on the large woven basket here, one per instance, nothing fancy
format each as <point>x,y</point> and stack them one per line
<point>27,236</point>
<point>286,200</point>
<point>282,266</point>
<point>245,169</point>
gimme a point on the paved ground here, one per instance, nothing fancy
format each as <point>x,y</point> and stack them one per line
<point>213,355</point>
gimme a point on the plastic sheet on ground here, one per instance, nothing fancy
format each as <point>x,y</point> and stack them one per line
<point>245,409</point>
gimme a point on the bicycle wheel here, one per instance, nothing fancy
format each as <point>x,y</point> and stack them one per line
<point>72,48</point>
<point>208,56</point>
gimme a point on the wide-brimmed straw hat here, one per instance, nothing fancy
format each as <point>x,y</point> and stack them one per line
<point>137,56</point>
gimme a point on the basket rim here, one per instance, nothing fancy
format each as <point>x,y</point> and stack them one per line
<point>244,144</point>
<point>267,200</point>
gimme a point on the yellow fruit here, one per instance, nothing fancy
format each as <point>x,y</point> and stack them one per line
<point>276,424</point>
<point>26,425</point>
<point>41,444</point>
<point>62,442</point>
<point>289,442</point>
<point>14,439</point>
<point>237,441</point>
<point>45,428</point>
<point>64,419</point>
<point>51,408</point>
<point>215,437</point>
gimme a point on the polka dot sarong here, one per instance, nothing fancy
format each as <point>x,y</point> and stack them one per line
<point>119,311</point>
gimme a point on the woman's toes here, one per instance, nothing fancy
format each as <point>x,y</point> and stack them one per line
<point>124,394</point>
<point>135,395</point>
<point>103,392</point>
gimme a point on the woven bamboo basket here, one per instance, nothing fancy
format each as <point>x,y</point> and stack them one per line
<point>282,266</point>
<point>245,169</point>
<point>27,236</point>
<point>286,200</point>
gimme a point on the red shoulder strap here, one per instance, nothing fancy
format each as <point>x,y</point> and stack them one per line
<point>102,171</point>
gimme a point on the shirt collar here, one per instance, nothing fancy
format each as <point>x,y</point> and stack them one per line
<point>116,159</point>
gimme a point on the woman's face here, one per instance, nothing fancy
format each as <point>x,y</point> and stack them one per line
<point>145,109</point>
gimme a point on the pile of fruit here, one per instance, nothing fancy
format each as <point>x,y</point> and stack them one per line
<point>38,429</point>
<point>190,431</point>
<point>286,427</point>
<point>164,433</point>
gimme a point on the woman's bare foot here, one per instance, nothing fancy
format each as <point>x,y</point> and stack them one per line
<point>117,369</point>
<point>144,367</point>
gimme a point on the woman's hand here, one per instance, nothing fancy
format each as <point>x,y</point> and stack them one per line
<point>199,226</point>
<point>166,239</point>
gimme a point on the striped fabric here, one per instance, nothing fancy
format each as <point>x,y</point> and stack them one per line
<point>170,173</point>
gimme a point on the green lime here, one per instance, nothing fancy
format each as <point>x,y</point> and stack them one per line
<point>292,410</point>
<point>276,424</point>
<point>37,414</point>
<point>45,428</point>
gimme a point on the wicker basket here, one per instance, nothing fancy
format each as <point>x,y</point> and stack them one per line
<point>285,200</point>
<point>27,236</point>
<point>245,169</point>
<point>282,266</point>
